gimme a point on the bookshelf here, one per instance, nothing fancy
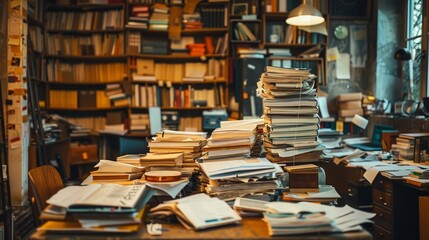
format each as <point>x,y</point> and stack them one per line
<point>178,59</point>
<point>286,44</point>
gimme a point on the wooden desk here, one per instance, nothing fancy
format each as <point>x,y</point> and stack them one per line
<point>250,228</point>
<point>394,201</point>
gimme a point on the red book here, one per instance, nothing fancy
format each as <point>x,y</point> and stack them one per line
<point>209,44</point>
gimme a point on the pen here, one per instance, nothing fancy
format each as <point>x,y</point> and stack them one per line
<point>217,219</point>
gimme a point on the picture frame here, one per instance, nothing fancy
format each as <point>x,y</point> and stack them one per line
<point>239,9</point>
<point>350,9</point>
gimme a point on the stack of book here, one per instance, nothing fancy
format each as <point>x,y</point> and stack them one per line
<point>160,17</point>
<point>290,115</point>
<point>188,143</point>
<point>349,104</point>
<point>116,171</point>
<point>192,21</point>
<point>161,160</point>
<point>411,146</point>
<point>139,122</point>
<point>117,95</point>
<point>196,49</point>
<point>418,177</point>
<point>139,17</point>
<point>404,148</point>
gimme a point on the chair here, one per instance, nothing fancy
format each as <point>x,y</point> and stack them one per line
<point>44,181</point>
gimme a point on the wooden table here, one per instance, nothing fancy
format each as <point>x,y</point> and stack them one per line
<point>250,228</point>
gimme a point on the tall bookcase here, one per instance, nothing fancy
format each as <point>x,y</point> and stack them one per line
<point>178,59</point>
<point>286,44</point>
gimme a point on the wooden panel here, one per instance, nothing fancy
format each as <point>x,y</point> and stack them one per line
<point>381,233</point>
<point>383,216</point>
<point>383,198</point>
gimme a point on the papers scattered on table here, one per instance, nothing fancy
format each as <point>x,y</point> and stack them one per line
<point>286,218</point>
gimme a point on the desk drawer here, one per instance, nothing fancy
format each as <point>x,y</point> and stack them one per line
<point>380,233</point>
<point>383,183</point>
<point>383,215</point>
<point>382,198</point>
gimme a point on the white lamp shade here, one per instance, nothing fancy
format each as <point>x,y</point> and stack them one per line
<point>305,15</point>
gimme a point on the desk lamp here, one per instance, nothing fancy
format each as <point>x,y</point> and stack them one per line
<point>305,15</point>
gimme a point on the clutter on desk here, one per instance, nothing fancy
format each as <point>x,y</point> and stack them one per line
<point>330,138</point>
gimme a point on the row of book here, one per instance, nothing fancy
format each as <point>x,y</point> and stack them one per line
<point>74,99</point>
<point>58,71</point>
<point>85,21</point>
<point>93,45</point>
<point>245,32</point>
<point>155,96</point>
<point>148,70</point>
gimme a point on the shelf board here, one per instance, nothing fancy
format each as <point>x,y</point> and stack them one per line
<point>86,7</point>
<point>291,45</point>
<point>180,108</point>
<point>86,109</point>
<point>185,32</point>
<point>182,83</point>
<point>272,57</point>
<point>84,83</point>
<point>89,58</point>
<point>176,55</point>
<point>85,32</point>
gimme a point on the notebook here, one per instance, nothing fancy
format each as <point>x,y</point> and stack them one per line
<point>375,144</point>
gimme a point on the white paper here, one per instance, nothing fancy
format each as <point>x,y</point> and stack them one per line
<point>323,107</point>
<point>332,54</point>
<point>343,66</point>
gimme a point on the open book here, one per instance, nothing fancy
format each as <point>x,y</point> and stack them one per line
<point>198,211</point>
<point>101,197</point>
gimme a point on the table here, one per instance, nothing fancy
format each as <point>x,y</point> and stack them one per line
<point>250,228</point>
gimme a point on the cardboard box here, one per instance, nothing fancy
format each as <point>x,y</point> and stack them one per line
<point>83,153</point>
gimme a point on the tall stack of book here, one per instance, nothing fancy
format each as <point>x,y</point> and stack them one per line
<point>160,17</point>
<point>139,17</point>
<point>139,122</point>
<point>290,115</point>
<point>349,104</point>
<point>409,146</point>
<point>188,143</point>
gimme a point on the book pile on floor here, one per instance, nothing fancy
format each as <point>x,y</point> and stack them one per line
<point>290,115</point>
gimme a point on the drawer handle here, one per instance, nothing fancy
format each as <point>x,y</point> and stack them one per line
<point>381,214</point>
<point>385,203</point>
<point>381,234</point>
<point>381,198</point>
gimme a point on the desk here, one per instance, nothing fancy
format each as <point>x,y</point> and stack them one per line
<point>395,202</point>
<point>250,228</point>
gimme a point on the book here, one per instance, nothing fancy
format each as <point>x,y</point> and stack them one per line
<point>102,175</point>
<point>99,197</point>
<point>349,96</point>
<point>118,166</point>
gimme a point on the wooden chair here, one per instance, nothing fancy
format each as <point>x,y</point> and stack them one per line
<point>44,181</point>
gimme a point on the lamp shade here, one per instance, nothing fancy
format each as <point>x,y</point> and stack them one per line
<point>305,15</point>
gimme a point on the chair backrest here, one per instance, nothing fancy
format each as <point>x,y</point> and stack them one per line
<point>44,181</point>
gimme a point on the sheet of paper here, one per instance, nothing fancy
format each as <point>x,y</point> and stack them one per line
<point>332,54</point>
<point>323,107</point>
<point>171,188</point>
<point>343,66</point>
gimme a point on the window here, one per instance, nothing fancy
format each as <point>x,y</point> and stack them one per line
<point>414,45</point>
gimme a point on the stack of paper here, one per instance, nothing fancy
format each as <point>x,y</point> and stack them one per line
<point>188,143</point>
<point>233,178</point>
<point>290,115</point>
<point>97,207</point>
<point>233,140</point>
<point>285,218</point>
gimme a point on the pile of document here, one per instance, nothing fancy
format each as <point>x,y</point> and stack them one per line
<point>197,211</point>
<point>188,143</point>
<point>290,115</point>
<point>162,160</point>
<point>284,218</point>
<point>233,140</point>
<point>96,208</point>
<point>233,178</point>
